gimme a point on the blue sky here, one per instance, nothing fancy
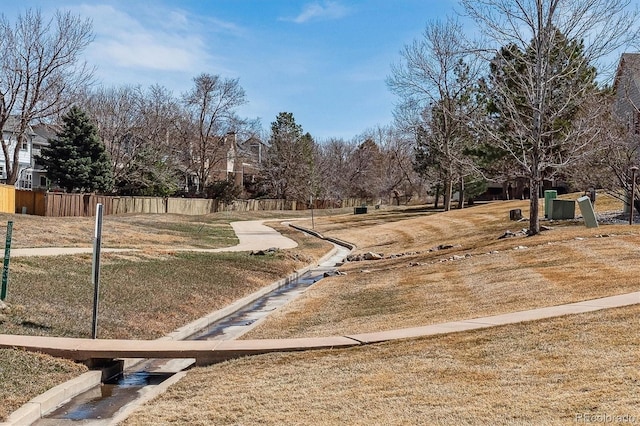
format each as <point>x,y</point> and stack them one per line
<point>324,61</point>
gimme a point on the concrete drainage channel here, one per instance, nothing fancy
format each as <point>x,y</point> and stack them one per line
<point>117,397</point>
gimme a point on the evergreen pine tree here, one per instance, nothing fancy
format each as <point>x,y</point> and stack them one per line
<point>77,160</point>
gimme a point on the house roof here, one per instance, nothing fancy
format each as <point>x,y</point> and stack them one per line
<point>629,65</point>
<point>12,124</point>
<point>43,132</point>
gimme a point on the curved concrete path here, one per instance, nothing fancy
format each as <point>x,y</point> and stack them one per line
<point>210,351</point>
<point>252,235</point>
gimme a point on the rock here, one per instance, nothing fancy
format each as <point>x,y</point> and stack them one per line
<point>365,271</point>
<point>507,234</point>
<point>494,252</point>
<point>4,307</point>
<point>441,247</point>
<point>457,257</point>
<point>333,274</point>
<point>271,250</point>
<point>373,256</point>
<point>521,248</point>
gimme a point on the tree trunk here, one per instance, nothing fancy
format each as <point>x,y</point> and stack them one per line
<point>461,191</point>
<point>534,207</point>
<point>435,204</point>
<point>448,189</point>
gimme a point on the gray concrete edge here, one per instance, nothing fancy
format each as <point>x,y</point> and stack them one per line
<point>191,328</point>
<point>54,397</point>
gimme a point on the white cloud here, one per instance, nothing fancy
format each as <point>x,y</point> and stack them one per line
<point>143,42</point>
<point>320,11</point>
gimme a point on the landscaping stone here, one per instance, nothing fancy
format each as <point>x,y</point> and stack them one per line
<point>373,256</point>
<point>333,274</point>
<point>271,250</point>
<point>441,247</point>
<point>507,234</point>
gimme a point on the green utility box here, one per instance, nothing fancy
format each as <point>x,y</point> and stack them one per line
<point>562,209</point>
<point>360,210</point>
<point>548,196</point>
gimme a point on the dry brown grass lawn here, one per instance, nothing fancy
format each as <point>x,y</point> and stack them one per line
<point>489,276</point>
<point>42,372</point>
<point>144,295</point>
<point>142,231</point>
<point>548,372</point>
<point>574,369</point>
<point>544,372</point>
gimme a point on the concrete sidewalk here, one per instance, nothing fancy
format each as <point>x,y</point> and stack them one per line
<point>252,234</point>
<point>207,352</point>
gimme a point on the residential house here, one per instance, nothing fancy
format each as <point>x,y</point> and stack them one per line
<point>43,133</point>
<point>25,154</point>
<point>247,166</point>
<point>232,160</point>
<point>627,92</point>
<point>31,175</point>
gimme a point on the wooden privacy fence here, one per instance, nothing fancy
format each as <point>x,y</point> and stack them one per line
<point>7,199</point>
<point>30,202</point>
<point>56,204</point>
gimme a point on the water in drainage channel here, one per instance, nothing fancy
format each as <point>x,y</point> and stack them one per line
<point>101,403</point>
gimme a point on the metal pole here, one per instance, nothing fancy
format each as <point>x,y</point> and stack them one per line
<point>96,269</point>
<point>313,225</point>
<point>5,269</point>
<point>634,169</point>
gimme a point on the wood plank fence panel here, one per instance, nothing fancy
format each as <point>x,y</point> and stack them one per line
<point>7,199</point>
<point>62,204</point>
<point>30,202</point>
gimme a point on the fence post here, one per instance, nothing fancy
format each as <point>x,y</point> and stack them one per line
<point>5,269</point>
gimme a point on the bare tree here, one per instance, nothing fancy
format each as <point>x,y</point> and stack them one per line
<point>544,55</point>
<point>435,82</point>
<point>211,105</point>
<point>332,168</point>
<point>139,128</point>
<point>396,176</point>
<point>40,72</point>
<point>118,121</point>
